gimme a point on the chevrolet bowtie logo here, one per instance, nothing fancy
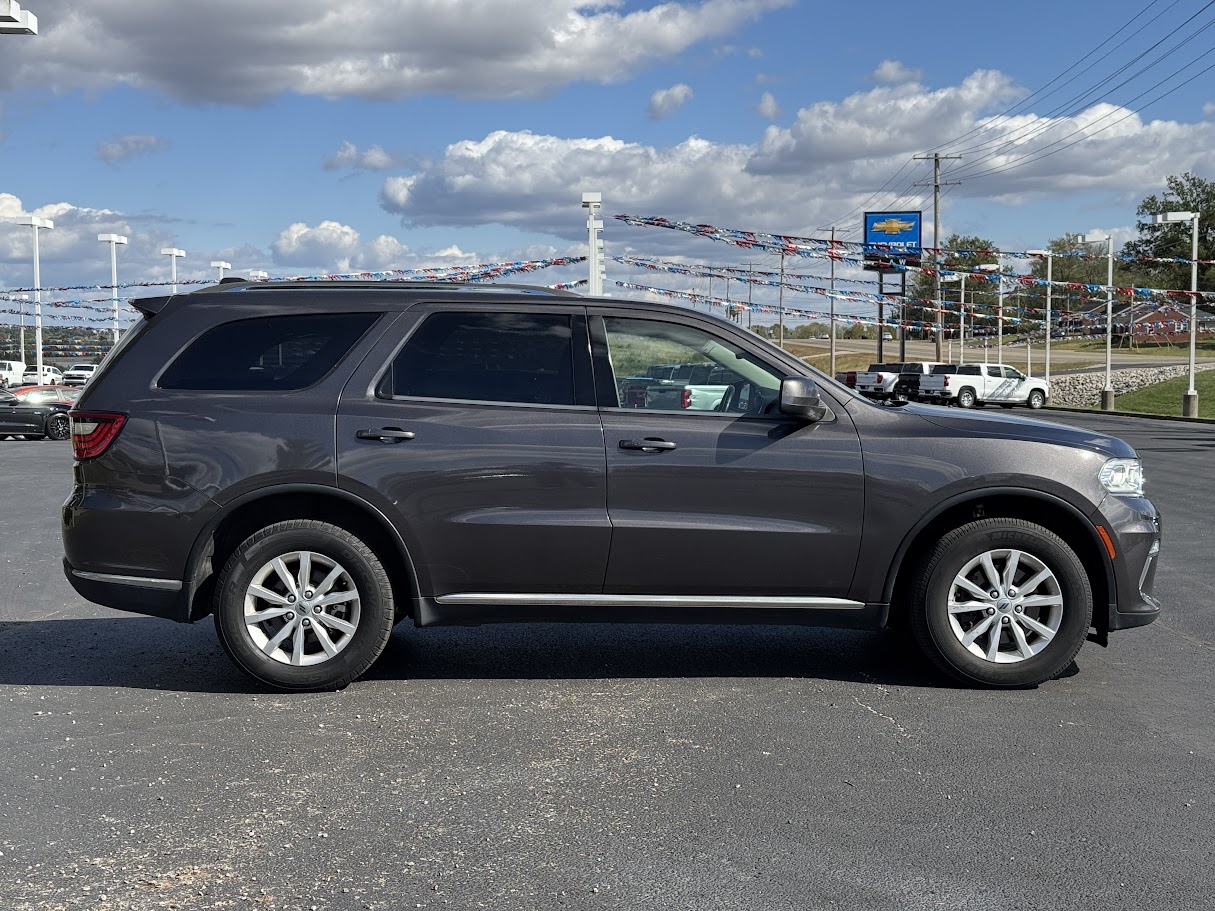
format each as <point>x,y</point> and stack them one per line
<point>893,226</point>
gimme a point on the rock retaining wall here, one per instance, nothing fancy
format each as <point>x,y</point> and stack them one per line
<point>1080,389</point>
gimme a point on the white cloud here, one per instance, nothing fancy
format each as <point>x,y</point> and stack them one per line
<point>767,107</point>
<point>132,145</point>
<point>665,102</point>
<point>238,52</point>
<point>350,156</point>
<point>894,72</point>
<point>812,173</point>
<point>1208,109</point>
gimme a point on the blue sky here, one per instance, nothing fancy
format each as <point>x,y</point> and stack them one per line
<point>303,137</point>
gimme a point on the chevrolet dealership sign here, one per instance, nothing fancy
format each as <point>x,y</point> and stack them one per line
<point>893,237</point>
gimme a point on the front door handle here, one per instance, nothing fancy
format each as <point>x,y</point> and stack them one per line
<point>649,444</point>
<point>385,434</point>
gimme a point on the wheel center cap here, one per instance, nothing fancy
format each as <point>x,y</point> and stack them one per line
<point>1002,606</point>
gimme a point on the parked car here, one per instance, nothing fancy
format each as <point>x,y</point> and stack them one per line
<point>979,384</point>
<point>79,374</point>
<point>11,373</point>
<point>311,463</point>
<point>51,376</point>
<point>37,412</point>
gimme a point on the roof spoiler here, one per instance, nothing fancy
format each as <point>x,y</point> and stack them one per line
<point>149,306</point>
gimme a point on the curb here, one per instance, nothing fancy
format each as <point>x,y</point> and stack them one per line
<point>1128,414</point>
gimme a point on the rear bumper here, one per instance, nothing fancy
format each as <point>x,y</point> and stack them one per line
<point>138,594</point>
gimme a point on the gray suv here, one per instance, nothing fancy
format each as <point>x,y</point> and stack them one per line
<point>311,463</point>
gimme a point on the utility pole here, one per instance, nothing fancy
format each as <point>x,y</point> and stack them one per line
<point>936,238</point>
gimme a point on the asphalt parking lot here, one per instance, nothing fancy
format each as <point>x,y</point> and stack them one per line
<point>632,767</point>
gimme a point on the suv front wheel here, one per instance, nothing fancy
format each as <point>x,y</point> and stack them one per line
<point>303,605</point>
<point>1002,603</point>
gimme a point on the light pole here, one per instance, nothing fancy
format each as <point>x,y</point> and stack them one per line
<point>1050,289</point>
<point>1190,402</point>
<point>173,253</point>
<point>221,266</point>
<point>37,223</point>
<point>21,307</point>
<point>16,21</point>
<point>113,240</point>
<point>1107,394</point>
<point>996,268</point>
<point>592,202</point>
<point>948,279</point>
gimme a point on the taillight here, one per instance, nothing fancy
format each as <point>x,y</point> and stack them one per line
<point>685,399</point>
<point>93,432</point>
<point>946,383</point>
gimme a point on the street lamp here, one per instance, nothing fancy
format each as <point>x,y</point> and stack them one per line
<point>36,223</point>
<point>1107,394</point>
<point>113,240</point>
<point>16,21</point>
<point>592,202</point>
<point>956,276</point>
<point>1050,288</point>
<point>221,266</point>
<point>24,298</point>
<point>173,253</point>
<point>1190,403</point>
<point>997,269</point>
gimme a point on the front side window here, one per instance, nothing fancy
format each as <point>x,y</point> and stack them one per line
<point>273,353</point>
<point>522,358</point>
<point>710,373</point>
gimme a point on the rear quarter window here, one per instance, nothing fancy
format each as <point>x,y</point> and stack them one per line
<point>273,353</point>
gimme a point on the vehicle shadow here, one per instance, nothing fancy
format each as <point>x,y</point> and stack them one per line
<point>144,653</point>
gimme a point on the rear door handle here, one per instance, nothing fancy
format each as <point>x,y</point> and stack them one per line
<point>385,434</point>
<point>649,444</point>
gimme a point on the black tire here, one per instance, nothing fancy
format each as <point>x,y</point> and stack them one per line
<point>58,427</point>
<point>1037,640</point>
<point>1037,398</point>
<point>334,642</point>
<point>966,397</point>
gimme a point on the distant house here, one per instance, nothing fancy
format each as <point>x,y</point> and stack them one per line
<point>1147,321</point>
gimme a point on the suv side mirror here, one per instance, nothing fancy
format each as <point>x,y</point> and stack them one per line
<point>799,397</point>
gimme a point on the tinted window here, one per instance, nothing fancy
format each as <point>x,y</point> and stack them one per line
<point>970,370</point>
<point>944,368</point>
<point>487,357</point>
<point>729,379</point>
<point>993,371</point>
<point>268,353</point>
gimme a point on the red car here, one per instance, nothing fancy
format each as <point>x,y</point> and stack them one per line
<point>37,412</point>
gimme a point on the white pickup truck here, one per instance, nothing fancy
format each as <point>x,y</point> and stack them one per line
<point>969,385</point>
<point>878,381</point>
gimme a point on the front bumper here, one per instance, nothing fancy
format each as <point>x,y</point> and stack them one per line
<point>1134,529</point>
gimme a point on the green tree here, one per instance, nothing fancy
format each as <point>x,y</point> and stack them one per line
<point>957,255</point>
<point>1075,261</point>
<point>1187,193</point>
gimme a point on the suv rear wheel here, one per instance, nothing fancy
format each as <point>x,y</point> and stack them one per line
<point>303,605</point>
<point>1002,603</point>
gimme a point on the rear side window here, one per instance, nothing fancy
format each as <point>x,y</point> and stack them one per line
<point>267,353</point>
<point>525,358</point>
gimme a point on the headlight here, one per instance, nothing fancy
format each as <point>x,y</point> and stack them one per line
<point>1123,477</point>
